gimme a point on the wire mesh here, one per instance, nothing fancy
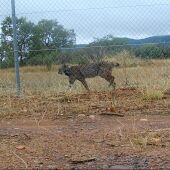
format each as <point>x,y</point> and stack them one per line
<point>93,73</point>
<point>73,32</point>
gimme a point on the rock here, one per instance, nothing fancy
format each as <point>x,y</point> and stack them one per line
<point>81,115</point>
<point>111,109</point>
<point>143,120</point>
<point>154,141</point>
<point>24,110</point>
<point>16,128</point>
<point>92,117</point>
<point>20,147</point>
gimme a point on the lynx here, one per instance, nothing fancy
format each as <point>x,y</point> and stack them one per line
<point>81,72</point>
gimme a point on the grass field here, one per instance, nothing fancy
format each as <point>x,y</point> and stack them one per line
<point>151,75</point>
<point>49,127</point>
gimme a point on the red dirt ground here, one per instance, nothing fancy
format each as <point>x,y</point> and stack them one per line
<point>34,135</point>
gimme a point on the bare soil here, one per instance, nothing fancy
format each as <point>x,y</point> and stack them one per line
<point>96,130</point>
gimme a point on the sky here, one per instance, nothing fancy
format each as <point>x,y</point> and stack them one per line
<point>97,18</point>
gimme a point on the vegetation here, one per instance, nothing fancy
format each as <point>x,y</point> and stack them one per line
<point>152,51</point>
<point>35,41</point>
<point>48,42</point>
<point>109,47</point>
<point>152,77</point>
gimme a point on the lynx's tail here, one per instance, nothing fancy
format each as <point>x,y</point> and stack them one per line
<point>115,64</point>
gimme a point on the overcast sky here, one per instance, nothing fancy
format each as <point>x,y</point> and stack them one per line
<point>96,18</point>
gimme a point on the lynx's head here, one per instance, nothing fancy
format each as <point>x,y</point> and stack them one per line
<point>64,69</point>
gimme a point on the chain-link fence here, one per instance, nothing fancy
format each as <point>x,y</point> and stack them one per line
<point>50,33</point>
<point>93,84</point>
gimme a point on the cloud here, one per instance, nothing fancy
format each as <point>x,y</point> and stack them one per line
<point>97,18</point>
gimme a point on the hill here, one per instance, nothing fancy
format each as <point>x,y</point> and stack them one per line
<point>154,39</point>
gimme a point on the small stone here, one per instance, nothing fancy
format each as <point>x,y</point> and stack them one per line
<point>24,110</point>
<point>81,115</point>
<point>143,120</point>
<point>154,141</point>
<point>20,147</point>
<point>66,156</point>
<point>92,117</point>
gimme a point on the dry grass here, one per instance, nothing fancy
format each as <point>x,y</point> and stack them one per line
<point>153,138</point>
<point>46,92</point>
<point>149,95</point>
<point>44,97</point>
<point>155,76</point>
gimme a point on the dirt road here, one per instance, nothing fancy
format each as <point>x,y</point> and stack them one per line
<point>33,135</point>
<point>86,143</point>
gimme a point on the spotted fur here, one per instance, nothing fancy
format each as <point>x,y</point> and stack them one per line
<point>81,72</point>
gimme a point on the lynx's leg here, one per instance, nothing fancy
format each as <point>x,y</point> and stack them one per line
<point>83,81</point>
<point>71,81</point>
<point>108,77</point>
<point>112,82</point>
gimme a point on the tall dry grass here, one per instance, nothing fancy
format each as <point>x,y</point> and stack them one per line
<point>150,75</point>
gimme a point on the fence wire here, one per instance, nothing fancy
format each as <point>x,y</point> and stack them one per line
<point>82,32</point>
<point>93,84</point>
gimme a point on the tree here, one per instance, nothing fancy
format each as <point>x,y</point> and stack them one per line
<point>165,48</point>
<point>49,34</point>
<point>36,40</point>
<point>149,51</point>
<point>48,38</point>
<point>24,36</point>
<point>106,46</point>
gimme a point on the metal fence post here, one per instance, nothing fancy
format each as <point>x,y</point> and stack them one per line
<point>15,45</point>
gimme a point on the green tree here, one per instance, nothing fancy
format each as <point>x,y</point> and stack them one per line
<point>35,41</point>
<point>149,51</point>
<point>48,38</point>
<point>107,45</point>
<point>50,35</point>
<point>165,48</point>
<point>24,36</point>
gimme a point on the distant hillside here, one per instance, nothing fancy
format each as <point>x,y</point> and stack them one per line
<point>154,39</point>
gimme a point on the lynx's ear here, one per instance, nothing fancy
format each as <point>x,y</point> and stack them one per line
<point>67,71</point>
